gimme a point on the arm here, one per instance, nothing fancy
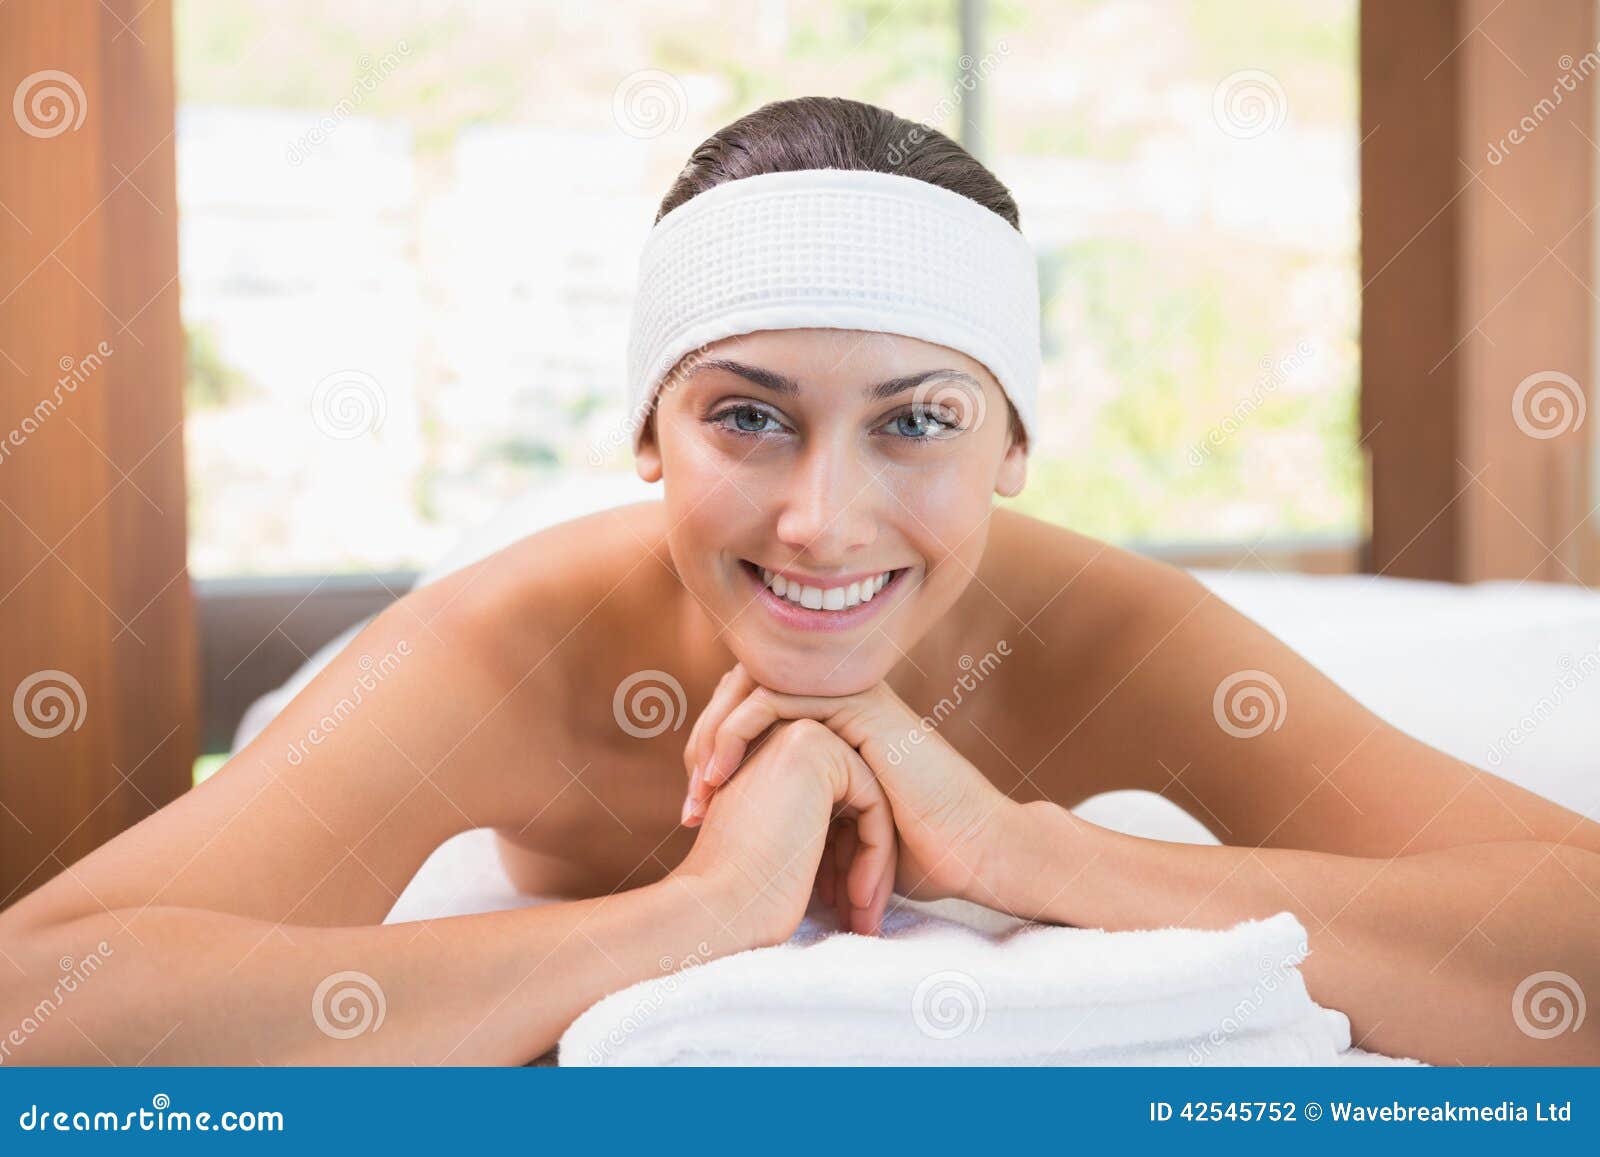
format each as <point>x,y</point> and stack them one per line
<point>1192,700</point>
<point>241,960</point>
<point>1424,952</point>
<point>498,988</point>
<point>1394,939</point>
<point>221,914</point>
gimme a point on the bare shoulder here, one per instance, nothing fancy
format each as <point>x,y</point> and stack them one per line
<point>546,627</point>
<point>1134,674</point>
<point>1076,615</point>
<point>564,560</point>
<point>556,623</point>
<point>566,583</point>
<point>1070,588</point>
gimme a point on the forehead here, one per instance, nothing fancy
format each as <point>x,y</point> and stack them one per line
<point>847,355</point>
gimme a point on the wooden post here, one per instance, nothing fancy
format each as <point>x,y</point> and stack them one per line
<point>1478,201</point>
<point>97,648</point>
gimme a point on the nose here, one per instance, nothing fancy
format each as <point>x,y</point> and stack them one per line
<point>830,507</point>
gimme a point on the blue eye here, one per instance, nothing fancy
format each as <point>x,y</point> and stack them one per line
<point>737,413</point>
<point>916,424</point>
<point>922,424</point>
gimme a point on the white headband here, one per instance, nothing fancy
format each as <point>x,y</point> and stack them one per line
<point>836,249</point>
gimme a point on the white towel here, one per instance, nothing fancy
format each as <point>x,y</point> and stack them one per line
<point>941,991</point>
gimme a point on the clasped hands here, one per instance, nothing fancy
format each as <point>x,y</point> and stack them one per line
<point>850,796</point>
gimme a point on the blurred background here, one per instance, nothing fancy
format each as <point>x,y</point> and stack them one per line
<point>297,294</point>
<point>463,240</point>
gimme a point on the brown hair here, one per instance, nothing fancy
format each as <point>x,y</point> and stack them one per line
<point>829,132</point>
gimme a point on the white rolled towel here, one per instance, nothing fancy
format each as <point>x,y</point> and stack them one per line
<point>936,990</point>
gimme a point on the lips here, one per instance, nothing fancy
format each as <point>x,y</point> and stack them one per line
<point>816,608</point>
<point>819,595</point>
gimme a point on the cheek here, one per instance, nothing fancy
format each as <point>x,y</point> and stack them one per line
<point>695,483</point>
<point>944,508</point>
<point>710,523</point>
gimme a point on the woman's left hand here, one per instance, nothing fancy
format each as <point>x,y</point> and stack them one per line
<point>947,814</point>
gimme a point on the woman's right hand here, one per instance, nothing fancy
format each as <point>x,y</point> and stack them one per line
<point>763,838</point>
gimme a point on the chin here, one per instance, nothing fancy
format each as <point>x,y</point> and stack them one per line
<point>816,675</point>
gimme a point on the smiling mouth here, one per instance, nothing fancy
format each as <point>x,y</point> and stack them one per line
<point>850,599</point>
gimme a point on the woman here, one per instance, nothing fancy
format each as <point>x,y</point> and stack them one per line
<point>819,581</point>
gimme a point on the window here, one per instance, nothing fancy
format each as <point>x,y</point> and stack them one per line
<point>407,257</point>
<point>1189,175</point>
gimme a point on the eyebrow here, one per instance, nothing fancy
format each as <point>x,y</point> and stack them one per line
<point>782,384</point>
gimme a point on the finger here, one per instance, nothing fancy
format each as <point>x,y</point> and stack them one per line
<point>723,699</point>
<point>691,746</point>
<point>701,788</point>
<point>741,687</point>
<point>880,900</point>
<point>873,863</point>
<point>734,686</point>
<point>876,714</point>
<point>759,710</point>
<point>874,848</point>
<point>825,867</point>
<point>844,852</point>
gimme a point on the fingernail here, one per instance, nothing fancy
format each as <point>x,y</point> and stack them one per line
<point>687,810</point>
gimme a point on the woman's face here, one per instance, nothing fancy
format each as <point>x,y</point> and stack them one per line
<point>831,458</point>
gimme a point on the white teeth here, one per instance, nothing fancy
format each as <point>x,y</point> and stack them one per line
<point>824,599</point>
